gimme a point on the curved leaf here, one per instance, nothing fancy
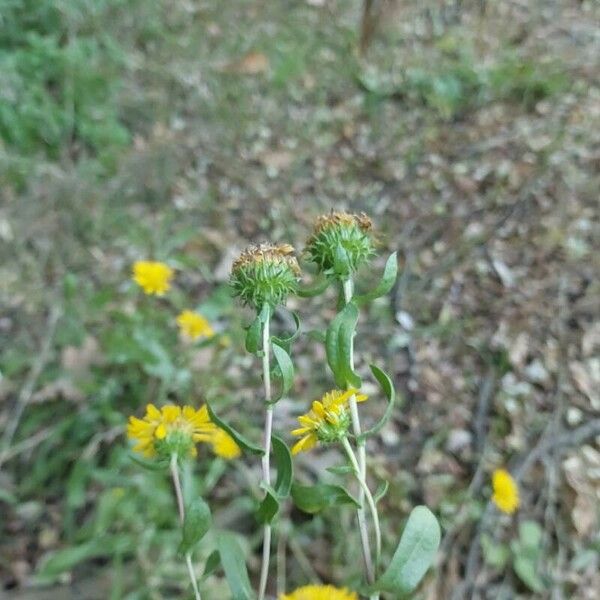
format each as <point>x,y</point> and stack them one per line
<point>286,369</point>
<point>314,498</point>
<point>388,388</point>
<point>213,562</point>
<point>269,506</point>
<point>286,342</point>
<point>285,469</point>
<point>158,465</point>
<point>413,556</point>
<point>254,335</point>
<point>240,440</point>
<point>338,346</point>
<point>234,565</point>
<point>386,283</point>
<point>195,525</point>
<point>315,289</point>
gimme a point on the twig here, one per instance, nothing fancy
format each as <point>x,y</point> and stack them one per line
<point>27,390</point>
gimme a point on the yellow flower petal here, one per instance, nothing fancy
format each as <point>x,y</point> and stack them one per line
<point>506,491</point>
<point>153,277</point>
<point>320,592</point>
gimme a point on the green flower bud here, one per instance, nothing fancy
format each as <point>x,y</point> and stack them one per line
<point>340,243</point>
<point>265,274</point>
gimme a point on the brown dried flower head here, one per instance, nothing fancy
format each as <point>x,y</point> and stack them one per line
<point>340,243</point>
<point>265,274</point>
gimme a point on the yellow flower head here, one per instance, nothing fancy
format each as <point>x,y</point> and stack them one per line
<point>153,277</point>
<point>176,429</point>
<point>506,491</point>
<point>327,420</point>
<point>320,592</point>
<point>192,325</point>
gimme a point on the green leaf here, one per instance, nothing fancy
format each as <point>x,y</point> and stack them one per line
<point>64,560</point>
<point>234,565</point>
<point>195,525</point>
<point>338,346</point>
<point>341,470</point>
<point>254,335</point>
<point>213,562</point>
<point>316,335</point>
<point>526,569</point>
<point>157,465</point>
<point>286,342</point>
<point>315,289</point>
<point>388,389</point>
<point>286,368</point>
<point>381,491</point>
<point>386,283</point>
<point>269,506</point>
<point>530,534</point>
<point>240,440</point>
<point>495,554</point>
<point>314,498</point>
<point>285,469</point>
<point>413,556</point>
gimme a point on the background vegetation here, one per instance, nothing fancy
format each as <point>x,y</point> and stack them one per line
<point>182,130</point>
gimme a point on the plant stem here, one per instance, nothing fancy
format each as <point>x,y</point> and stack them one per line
<point>266,459</point>
<point>348,290</point>
<point>181,508</point>
<point>370,501</point>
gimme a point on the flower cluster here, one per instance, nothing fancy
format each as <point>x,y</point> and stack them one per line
<point>320,592</point>
<point>265,274</point>
<point>340,243</point>
<point>327,421</point>
<point>177,430</point>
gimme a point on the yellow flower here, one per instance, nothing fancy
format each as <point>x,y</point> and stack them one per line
<point>193,325</point>
<point>224,445</point>
<point>320,592</point>
<point>174,429</point>
<point>152,277</point>
<point>506,491</point>
<point>326,421</point>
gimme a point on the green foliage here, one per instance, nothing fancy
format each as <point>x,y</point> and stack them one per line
<point>338,346</point>
<point>457,82</point>
<point>269,507</point>
<point>386,283</point>
<point>285,370</point>
<point>60,80</point>
<point>198,520</point>
<point>240,439</point>
<point>388,388</point>
<point>527,555</point>
<point>413,556</point>
<point>234,565</point>
<point>315,498</point>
